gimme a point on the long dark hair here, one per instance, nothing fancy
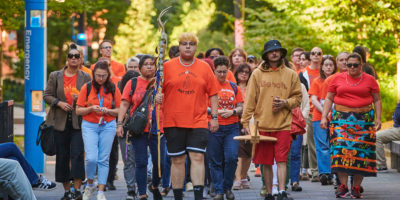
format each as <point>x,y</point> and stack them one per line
<point>108,85</point>
<point>240,68</point>
<point>128,76</point>
<point>325,58</point>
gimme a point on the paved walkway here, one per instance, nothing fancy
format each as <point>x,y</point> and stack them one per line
<point>385,186</point>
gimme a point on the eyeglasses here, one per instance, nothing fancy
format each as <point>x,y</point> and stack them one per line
<point>245,72</point>
<point>77,56</point>
<point>101,76</point>
<point>316,53</point>
<point>106,47</point>
<point>222,72</point>
<point>352,65</point>
<point>187,43</point>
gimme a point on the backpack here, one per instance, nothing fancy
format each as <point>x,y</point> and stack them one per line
<point>234,87</point>
<point>139,119</point>
<point>89,88</point>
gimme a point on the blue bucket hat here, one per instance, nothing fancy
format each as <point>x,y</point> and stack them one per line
<point>273,45</point>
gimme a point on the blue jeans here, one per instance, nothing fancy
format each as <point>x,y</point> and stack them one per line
<point>166,175</point>
<point>295,156</point>
<point>140,145</point>
<point>10,151</point>
<point>98,140</point>
<point>321,139</point>
<point>13,181</point>
<point>223,149</point>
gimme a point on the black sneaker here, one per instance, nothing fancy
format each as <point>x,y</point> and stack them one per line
<point>283,196</point>
<point>382,170</point>
<point>77,195</point>
<point>269,197</point>
<point>324,179</point>
<point>44,184</point>
<point>342,192</point>
<point>156,193</point>
<point>110,186</point>
<point>67,196</point>
<point>131,195</point>
<point>229,195</point>
<point>296,187</point>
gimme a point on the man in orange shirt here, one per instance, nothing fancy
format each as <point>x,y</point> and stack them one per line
<point>310,74</point>
<point>117,68</point>
<point>188,84</point>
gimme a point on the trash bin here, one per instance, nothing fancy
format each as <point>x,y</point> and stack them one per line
<point>7,121</point>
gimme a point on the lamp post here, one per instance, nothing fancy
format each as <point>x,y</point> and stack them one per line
<point>35,70</point>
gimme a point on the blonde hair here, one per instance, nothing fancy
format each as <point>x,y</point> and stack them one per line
<point>188,37</point>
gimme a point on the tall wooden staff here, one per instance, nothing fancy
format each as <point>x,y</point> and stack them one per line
<point>162,46</point>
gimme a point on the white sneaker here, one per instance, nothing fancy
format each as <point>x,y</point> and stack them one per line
<point>275,191</point>
<point>101,196</point>
<point>88,192</point>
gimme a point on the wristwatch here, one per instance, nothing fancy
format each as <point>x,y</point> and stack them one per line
<point>214,116</point>
<point>120,123</point>
<point>234,111</point>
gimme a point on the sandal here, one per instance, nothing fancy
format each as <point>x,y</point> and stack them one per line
<point>165,191</point>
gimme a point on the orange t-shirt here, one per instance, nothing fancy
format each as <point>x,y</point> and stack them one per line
<point>227,100</point>
<point>186,91</point>
<point>87,70</point>
<point>137,97</point>
<point>70,88</point>
<point>312,74</point>
<point>315,89</point>
<point>230,76</point>
<point>94,100</point>
<point>117,68</point>
<point>325,86</point>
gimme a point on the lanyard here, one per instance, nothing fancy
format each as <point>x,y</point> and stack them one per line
<point>101,99</point>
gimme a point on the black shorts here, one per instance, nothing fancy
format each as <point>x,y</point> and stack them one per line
<point>180,140</point>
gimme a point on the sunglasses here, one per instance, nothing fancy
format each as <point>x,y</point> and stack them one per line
<point>316,53</point>
<point>77,56</point>
<point>352,65</point>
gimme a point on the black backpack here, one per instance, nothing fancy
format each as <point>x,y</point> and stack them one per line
<point>139,119</point>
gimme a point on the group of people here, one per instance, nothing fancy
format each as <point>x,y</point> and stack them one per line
<point>205,102</point>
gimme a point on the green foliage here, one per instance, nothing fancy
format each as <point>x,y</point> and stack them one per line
<point>136,34</point>
<point>12,14</point>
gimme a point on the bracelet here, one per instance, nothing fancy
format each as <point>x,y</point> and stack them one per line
<point>120,123</point>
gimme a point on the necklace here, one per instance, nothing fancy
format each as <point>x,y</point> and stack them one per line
<point>355,84</point>
<point>186,65</point>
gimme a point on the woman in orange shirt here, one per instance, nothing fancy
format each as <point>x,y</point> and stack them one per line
<point>321,137</point>
<point>221,147</point>
<point>98,103</point>
<point>61,93</point>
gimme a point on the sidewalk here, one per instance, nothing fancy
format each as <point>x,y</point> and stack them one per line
<point>385,186</point>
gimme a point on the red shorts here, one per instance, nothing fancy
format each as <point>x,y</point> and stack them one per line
<point>266,151</point>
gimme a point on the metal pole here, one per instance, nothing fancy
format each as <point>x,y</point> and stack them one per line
<point>35,42</point>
